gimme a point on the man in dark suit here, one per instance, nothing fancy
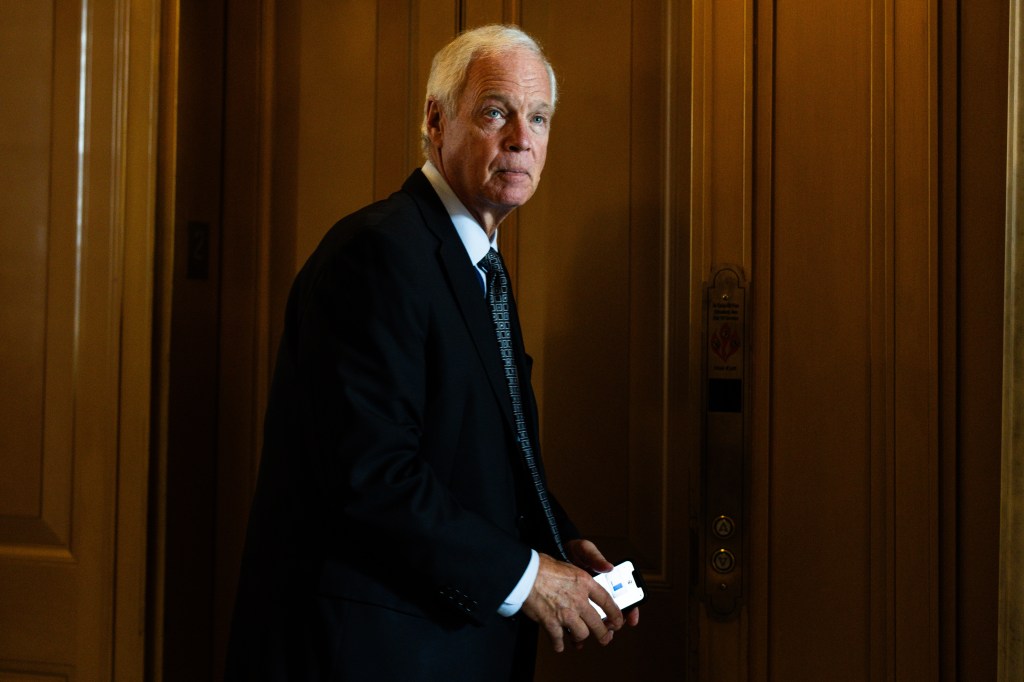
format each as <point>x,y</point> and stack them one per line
<point>401,528</point>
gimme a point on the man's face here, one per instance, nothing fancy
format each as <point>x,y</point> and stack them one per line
<point>492,152</point>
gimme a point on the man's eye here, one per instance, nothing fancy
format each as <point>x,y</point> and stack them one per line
<point>540,120</point>
<point>492,113</point>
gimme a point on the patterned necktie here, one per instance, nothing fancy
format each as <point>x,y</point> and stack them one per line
<point>498,298</point>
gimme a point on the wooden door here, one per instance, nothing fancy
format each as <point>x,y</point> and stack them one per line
<point>829,140</point>
<point>77,210</point>
<point>602,254</point>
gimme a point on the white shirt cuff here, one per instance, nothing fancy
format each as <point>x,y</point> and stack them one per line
<point>514,601</point>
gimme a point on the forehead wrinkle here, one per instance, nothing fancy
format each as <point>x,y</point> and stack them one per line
<point>487,80</point>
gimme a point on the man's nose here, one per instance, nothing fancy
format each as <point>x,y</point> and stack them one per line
<point>518,139</point>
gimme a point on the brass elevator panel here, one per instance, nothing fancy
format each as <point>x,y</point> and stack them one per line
<point>725,443</point>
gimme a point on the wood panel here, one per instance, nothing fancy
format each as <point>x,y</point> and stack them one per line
<point>38,285</point>
<point>25,170</point>
<point>872,455</point>
<point>186,551</point>
<point>842,244</point>
<point>348,83</point>
<point>602,251</point>
<point>348,134</point>
<point>983,178</point>
<point>37,558</point>
<point>77,202</point>
<point>243,372</point>
<point>335,122</point>
<point>822,234</point>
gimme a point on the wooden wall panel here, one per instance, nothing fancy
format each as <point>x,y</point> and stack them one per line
<point>574,239</point>
<point>27,53</point>
<point>821,287</point>
<point>39,284</point>
<point>983,182</point>
<point>77,208</point>
<point>39,49</point>
<point>851,334</point>
<point>243,372</point>
<point>854,310</point>
<point>335,115</point>
<point>348,100</point>
<point>602,250</point>
<point>348,104</point>
<point>915,449</point>
<point>187,546</point>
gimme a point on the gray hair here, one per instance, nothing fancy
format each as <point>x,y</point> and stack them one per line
<point>451,65</point>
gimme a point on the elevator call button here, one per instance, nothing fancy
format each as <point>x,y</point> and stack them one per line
<point>723,527</point>
<point>723,561</point>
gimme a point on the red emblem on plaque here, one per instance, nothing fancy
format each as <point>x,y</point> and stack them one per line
<point>725,341</point>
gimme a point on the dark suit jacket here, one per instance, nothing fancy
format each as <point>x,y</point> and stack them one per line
<point>393,512</point>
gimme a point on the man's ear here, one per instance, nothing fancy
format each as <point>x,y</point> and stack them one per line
<point>435,122</point>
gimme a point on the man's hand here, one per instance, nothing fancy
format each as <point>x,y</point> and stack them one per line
<point>586,555</point>
<point>558,602</point>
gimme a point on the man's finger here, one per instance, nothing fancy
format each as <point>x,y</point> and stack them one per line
<point>613,615</point>
<point>578,630</point>
<point>598,627</point>
<point>557,635</point>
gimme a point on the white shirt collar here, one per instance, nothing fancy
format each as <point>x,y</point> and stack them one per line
<point>473,236</point>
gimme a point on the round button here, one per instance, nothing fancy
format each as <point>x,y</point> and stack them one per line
<point>723,561</point>
<point>723,527</point>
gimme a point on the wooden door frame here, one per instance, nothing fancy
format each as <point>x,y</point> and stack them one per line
<point>140,22</point>
<point>1011,553</point>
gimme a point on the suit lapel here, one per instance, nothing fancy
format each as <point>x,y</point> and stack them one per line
<point>465,288</point>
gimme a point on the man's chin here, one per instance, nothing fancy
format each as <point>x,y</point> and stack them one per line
<point>512,195</point>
